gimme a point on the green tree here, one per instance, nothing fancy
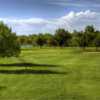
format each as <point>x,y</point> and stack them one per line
<point>77,39</point>
<point>97,40</point>
<point>62,36</point>
<point>40,40</point>
<point>52,42</point>
<point>23,40</point>
<point>89,35</point>
<point>9,45</point>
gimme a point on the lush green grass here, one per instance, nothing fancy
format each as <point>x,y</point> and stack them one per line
<point>51,74</point>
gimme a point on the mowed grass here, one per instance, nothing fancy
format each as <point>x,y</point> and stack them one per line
<point>51,74</point>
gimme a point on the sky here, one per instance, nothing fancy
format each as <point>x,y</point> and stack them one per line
<point>45,16</point>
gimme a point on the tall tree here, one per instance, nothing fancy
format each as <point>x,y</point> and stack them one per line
<point>9,45</point>
<point>97,40</point>
<point>89,35</point>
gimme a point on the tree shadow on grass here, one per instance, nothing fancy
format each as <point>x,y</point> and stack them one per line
<point>2,88</point>
<point>27,65</point>
<point>26,69</point>
<point>30,71</point>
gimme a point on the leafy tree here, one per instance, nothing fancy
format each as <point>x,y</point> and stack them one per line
<point>40,40</point>
<point>97,41</point>
<point>89,35</point>
<point>52,42</point>
<point>33,39</point>
<point>23,40</point>
<point>49,39</point>
<point>62,36</point>
<point>89,29</point>
<point>9,45</point>
<point>77,39</point>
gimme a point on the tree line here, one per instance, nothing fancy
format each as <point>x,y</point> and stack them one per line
<point>10,43</point>
<point>89,37</point>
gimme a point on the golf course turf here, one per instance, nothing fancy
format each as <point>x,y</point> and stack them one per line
<point>51,74</point>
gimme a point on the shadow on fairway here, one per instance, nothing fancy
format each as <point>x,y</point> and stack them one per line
<point>30,71</point>
<point>27,65</point>
<point>2,88</point>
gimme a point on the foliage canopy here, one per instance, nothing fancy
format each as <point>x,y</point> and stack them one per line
<point>9,45</point>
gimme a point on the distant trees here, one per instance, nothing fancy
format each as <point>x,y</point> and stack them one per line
<point>62,37</point>
<point>50,40</point>
<point>9,45</point>
<point>77,39</point>
<point>22,40</point>
<point>40,41</point>
<point>97,40</point>
<point>89,37</point>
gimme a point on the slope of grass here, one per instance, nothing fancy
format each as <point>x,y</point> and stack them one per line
<point>51,74</point>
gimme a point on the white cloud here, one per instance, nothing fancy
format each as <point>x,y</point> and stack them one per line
<point>72,20</point>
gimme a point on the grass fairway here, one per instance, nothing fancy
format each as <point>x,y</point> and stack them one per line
<point>51,74</point>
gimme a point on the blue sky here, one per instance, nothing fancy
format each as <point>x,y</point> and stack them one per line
<point>44,8</point>
<point>35,16</point>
